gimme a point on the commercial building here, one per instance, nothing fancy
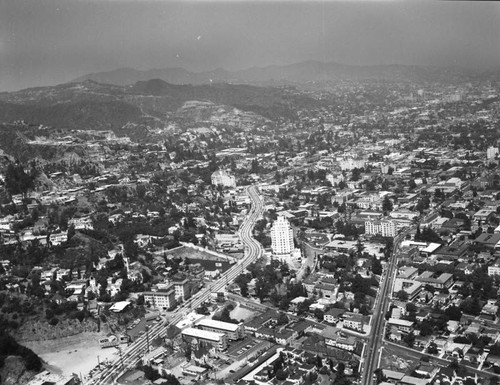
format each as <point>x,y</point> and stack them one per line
<point>444,280</point>
<point>282,237</point>
<point>386,228</point>
<point>491,152</point>
<point>233,331</point>
<point>194,336</point>
<point>182,292</point>
<point>160,299</point>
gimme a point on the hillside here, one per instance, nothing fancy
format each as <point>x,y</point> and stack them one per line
<point>133,110</point>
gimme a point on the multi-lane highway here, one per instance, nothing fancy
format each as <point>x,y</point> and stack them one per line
<point>253,250</point>
<point>373,347</point>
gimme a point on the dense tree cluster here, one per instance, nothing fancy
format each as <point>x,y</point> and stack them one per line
<point>9,347</point>
<point>17,180</point>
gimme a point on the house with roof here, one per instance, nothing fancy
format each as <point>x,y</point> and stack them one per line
<point>410,287</point>
<point>445,376</point>
<point>282,337</point>
<point>395,334</point>
<point>483,216</point>
<point>489,241</point>
<point>401,324</point>
<point>333,315</point>
<point>353,321</point>
<point>444,280</point>
<point>426,370</point>
<point>455,251</point>
<point>342,341</point>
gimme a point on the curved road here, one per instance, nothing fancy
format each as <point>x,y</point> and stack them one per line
<point>253,250</point>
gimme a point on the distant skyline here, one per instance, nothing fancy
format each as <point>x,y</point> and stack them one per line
<point>47,42</point>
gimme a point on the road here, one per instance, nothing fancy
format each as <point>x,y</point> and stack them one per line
<point>253,250</point>
<point>372,349</point>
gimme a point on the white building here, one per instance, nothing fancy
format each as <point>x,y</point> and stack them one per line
<point>233,331</point>
<point>494,269</point>
<point>350,163</point>
<point>160,299</point>
<point>491,152</point>
<point>282,237</point>
<point>195,336</point>
<point>221,177</point>
<point>385,228</point>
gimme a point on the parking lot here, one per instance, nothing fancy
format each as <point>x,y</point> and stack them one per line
<point>245,348</point>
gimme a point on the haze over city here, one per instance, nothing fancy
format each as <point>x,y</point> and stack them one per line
<point>55,41</point>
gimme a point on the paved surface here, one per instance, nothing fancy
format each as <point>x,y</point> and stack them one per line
<point>131,355</point>
<point>372,351</point>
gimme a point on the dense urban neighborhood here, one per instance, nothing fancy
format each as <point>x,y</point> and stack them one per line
<point>337,232</point>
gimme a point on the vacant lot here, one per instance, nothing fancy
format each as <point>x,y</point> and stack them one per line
<point>75,354</point>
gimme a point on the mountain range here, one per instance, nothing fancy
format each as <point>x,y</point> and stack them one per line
<point>308,71</point>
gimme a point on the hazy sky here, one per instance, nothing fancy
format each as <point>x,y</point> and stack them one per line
<point>45,42</point>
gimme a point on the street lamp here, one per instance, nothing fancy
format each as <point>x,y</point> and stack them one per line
<point>121,356</point>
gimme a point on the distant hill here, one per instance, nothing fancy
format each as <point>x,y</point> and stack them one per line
<point>281,74</point>
<point>136,110</point>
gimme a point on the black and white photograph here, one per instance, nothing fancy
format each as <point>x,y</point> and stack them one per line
<point>249,192</point>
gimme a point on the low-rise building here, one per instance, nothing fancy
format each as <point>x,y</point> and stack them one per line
<point>353,321</point>
<point>160,299</point>
<point>233,331</point>
<point>401,324</point>
<point>195,336</point>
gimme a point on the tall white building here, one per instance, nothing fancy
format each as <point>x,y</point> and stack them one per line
<point>491,152</point>
<point>386,228</point>
<point>349,163</point>
<point>282,237</point>
<point>223,178</point>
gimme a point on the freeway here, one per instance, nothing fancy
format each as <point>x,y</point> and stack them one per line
<point>373,347</point>
<point>253,250</point>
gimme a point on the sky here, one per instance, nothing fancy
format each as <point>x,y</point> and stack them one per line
<point>47,42</point>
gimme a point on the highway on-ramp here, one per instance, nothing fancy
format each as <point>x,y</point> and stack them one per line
<point>131,355</point>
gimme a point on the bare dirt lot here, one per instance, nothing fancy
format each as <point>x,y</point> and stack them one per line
<point>74,354</point>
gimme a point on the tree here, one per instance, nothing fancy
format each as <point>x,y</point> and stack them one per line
<point>242,281</point>
<point>409,339</point>
<point>141,191</point>
<point>426,328</point>
<point>170,379</point>
<point>17,181</point>
<point>377,266</point>
<point>402,295</point>
<point>71,231</point>
<point>453,312</point>
<point>281,375</point>
<point>150,373</point>
<point>187,352</point>
<point>379,375</point>
<point>282,319</point>
<point>432,348</point>
<point>319,314</point>
<point>387,204</point>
